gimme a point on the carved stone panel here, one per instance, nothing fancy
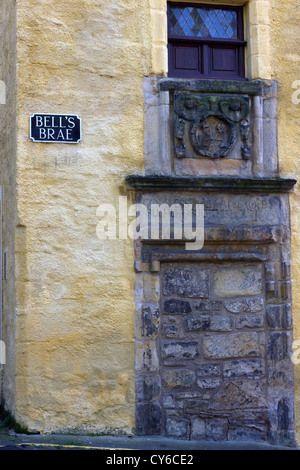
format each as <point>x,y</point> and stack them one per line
<point>237,118</point>
<point>209,126</point>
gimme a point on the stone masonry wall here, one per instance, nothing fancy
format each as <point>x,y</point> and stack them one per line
<point>212,352</point>
<point>214,328</point>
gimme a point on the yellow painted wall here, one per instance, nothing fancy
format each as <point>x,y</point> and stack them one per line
<point>285,63</point>
<point>75,293</point>
<point>75,296</point>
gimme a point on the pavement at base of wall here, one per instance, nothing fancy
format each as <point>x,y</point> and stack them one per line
<point>10,440</point>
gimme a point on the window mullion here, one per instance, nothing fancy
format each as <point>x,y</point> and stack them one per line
<point>205,59</point>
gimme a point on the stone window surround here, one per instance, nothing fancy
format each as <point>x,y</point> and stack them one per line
<point>257,35</point>
<point>158,150</point>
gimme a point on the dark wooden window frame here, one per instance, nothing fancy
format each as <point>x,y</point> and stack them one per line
<point>204,49</point>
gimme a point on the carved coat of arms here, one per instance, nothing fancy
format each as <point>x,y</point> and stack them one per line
<point>214,123</point>
<point>212,137</point>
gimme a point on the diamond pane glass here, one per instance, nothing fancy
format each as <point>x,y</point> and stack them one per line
<point>203,23</point>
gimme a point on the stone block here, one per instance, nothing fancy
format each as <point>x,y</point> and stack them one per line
<point>285,438</point>
<point>279,375</point>
<point>237,282</point>
<point>180,350</point>
<point>199,406</point>
<point>221,323</point>
<point>248,425</point>
<point>148,388</point>
<point>251,305</point>
<point>208,322</point>
<point>139,287</point>
<point>146,358</point>
<point>197,322</point>
<point>159,59</point>
<point>240,395</point>
<point>186,282</point>
<point>169,402</point>
<point>148,418</point>
<point>283,415</point>
<point>270,108</point>
<point>183,378</point>
<point>170,331</point>
<point>286,270</point>
<point>177,427</point>
<point>150,91</point>
<point>286,290</point>
<point>249,321</point>
<point>244,368</point>
<point>259,13</point>
<point>277,348</point>
<point>255,432</point>
<point>231,345</point>
<point>246,417</point>
<point>157,5</point>
<point>279,316</point>
<point>208,369</point>
<point>151,146</point>
<point>191,395</point>
<point>151,287</point>
<point>273,314</point>
<point>280,291</point>
<point>150,321</point>
<point>198,429</point>
<point>159,26</point>
<point>287,316</point>
<point>209,305</point>
<point>174,306</point>
<point>270,145</point>
<point>208,382</point>
<point>270,269</point>
<point>214,429</point>
<point>233,210</point>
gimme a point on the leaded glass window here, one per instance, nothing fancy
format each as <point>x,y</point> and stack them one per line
<point>205,41</point>
<point>203,23</point>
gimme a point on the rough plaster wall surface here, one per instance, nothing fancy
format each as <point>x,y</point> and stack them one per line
<point>75,298</point>
<point>285,53</point>
<point>7,182</point>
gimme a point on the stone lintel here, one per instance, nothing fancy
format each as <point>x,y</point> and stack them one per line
<point>157,257</point>
<point>207,257</point>
<point>254,87</point>
<point>230,184</point>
